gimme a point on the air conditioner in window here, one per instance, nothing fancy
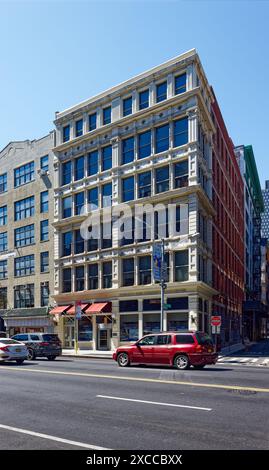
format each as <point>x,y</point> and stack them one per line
<point>42,172</point>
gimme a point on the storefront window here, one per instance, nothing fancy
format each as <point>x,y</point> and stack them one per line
<point>151,324</point>
<point>177,321</point>
<point>128,327</point>
<point>85,329</point>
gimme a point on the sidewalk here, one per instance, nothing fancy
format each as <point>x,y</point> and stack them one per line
<point>88,353</point>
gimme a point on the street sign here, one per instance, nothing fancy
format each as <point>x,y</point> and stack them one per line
<point>216,320</point>
<point>157,262</point>
<point>167,306</point>
<point>215,330</point>
<point>78,309</point>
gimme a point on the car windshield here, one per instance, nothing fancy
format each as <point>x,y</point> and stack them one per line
<point>147,341</point>
<point>9,341</point>
<point>204,339</point>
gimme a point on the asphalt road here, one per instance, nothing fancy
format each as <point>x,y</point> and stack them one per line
<point>75,403</point>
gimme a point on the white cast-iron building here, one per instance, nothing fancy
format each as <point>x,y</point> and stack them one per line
<point>147,140</point>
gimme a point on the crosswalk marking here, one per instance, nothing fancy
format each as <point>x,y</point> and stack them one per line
<point>258,361</point>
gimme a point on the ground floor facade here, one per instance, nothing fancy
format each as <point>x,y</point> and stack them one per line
<point>34,320</point>
<point>255,320</point>
<point>110,321</point>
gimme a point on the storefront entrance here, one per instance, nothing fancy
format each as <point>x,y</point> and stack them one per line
<point>69,335</point>
<point>103,339</point>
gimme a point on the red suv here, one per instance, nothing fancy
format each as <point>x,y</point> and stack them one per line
<point>181,350</point>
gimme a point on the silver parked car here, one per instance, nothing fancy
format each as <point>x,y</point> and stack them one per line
<point>12,350</point>
<point>41,345</point>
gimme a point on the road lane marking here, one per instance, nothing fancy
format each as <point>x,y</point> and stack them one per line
<point>155,403</point>
<point>136,379</point>
<point>51,438</point>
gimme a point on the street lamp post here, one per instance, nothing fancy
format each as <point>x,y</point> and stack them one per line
<point>163,286</point>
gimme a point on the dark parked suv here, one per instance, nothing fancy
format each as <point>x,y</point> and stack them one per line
<point>41,345</point>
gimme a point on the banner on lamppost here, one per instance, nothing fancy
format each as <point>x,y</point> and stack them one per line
<point>78,309</point>
<point>157,262</point>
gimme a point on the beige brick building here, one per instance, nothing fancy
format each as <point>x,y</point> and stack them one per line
<point>26,234</point>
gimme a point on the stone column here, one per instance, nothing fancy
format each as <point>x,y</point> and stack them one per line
<point>170,80</point>
<point>193,312</point>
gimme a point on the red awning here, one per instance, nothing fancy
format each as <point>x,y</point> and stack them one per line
<point>60,309</point>
<point>72,310</point>
<point>99,308</point>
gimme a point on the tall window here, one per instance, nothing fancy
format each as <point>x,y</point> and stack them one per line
<point>44,163</point>
<point>93,276</point>
<point>107,115</point>
<point>128,272</point>
<point>106,235</point>
<point>162,179</point>
<point>144,263</point>
<point>79,168</point>
<point>66,173</point>
<point>162,138</point>
<point>92,122</point>
<point>44,262</point>
<point>3,271</point>
<point>161,92</point>
<point>127,106</point>
<point>24,208</point>
<point>181,132</point>
<point>93,198</point>
<point>3,215</point>
<point>3,183</point>
<point>79,202</point>
<point>144,144</point>
<point>93,163</point>
<point>107,195</point>
<point>79,278</point>
<point>129,227</point>
<point>44,201</point>
<point>67,207</point>
<point>44,230</point>
<point>79,127</point>
<point>66,133</point>
<point>3,242</point>
<point>44,294</point>
<point>144,184</point>
<point>24,265</point>
<point>128,189</point>
<point>67,243</point>
<point>181,170</point>
<point>24,236</point>
<point>127,147</point>
<point>144,99</point>
<point>24,174</point>
<point>24,296</point>
<point>107,275</point>
<point>3,297</point>
<point>181,266</point>
<point>180,84</point>
<point>79,242</point>
<point>67,280</point>
<point>106,158</point>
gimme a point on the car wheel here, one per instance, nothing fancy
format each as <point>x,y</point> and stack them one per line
<point>51,358</point>
<point>123,359</point>
<point>31,355</point>
<point>199,367</point>
<point>182,362</point>
<point>20,361</point>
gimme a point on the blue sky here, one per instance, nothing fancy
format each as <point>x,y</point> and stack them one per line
<point>55,54</point>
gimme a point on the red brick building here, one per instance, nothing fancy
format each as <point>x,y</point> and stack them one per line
<point>228,233</point>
